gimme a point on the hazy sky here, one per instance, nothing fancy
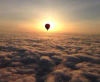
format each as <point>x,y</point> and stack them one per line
<point>73,15</point>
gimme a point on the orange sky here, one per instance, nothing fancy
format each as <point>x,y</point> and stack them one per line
<point>79,16</point>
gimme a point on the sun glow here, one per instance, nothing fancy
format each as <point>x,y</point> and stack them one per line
<point>55,25</point>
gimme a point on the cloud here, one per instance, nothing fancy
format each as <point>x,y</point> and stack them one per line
<point>23,60</point>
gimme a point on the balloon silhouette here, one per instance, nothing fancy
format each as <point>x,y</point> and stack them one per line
<point>47,26</point>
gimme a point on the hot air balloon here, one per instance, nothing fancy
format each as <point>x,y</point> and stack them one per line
<point>47,26</point>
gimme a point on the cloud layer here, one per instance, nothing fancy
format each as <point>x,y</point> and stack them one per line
<point>47,58</point>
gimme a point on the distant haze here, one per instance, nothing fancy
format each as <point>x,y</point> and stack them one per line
<point>77,16</point>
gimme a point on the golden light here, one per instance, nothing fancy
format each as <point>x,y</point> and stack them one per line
<point>38,25</point>
<point>55,25</point>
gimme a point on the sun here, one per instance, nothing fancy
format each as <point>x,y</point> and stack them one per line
<point>55,25</point>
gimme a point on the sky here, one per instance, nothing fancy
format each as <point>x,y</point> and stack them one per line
<point>80,16</point>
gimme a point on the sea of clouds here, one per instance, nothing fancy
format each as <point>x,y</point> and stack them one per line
<point>29,57</point>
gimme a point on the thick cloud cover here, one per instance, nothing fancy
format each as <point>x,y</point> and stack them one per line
<point>49,58</point>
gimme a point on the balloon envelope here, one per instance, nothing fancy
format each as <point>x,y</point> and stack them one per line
<point>47,26</point>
